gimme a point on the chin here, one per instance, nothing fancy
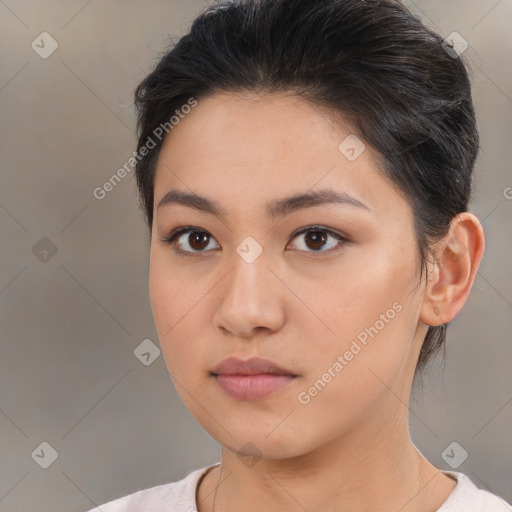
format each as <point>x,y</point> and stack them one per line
<point>261,439</point>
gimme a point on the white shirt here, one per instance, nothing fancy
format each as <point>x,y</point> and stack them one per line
<point>181,497</point>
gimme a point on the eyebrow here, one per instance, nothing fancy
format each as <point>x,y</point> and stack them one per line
<point>275,209</point>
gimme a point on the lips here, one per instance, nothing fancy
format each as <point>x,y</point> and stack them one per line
<point>252,379</point>
<point>253,366</point>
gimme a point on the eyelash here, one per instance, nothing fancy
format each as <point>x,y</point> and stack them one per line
<point>192,229</point>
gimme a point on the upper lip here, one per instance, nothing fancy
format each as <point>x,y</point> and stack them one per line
<point>253,366</point>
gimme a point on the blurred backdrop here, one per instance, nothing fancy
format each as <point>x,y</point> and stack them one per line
<point>85,417</point>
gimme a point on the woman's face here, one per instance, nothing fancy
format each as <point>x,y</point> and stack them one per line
<point>335,306</point>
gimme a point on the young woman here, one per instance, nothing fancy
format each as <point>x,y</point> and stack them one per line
<point>305,167</point>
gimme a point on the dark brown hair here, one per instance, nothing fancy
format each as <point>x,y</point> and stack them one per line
<point>373,62</point>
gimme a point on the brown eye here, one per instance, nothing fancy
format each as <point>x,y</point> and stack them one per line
<point>198,240</point>
<point>189,240</point>
<point>315,239</point>
<point>319,240</point>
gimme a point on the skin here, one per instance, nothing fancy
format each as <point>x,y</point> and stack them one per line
<point>348,448</point>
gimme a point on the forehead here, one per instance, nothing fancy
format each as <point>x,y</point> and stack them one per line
<point>248,148</point>
<point>252,125</point>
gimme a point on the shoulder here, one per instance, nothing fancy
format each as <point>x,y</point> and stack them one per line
<point>177,496</point>
<point>467,497</point>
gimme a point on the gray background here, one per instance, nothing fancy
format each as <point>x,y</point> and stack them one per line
<point>69,325</point>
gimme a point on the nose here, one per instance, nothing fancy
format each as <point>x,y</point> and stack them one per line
<point>251,299</point>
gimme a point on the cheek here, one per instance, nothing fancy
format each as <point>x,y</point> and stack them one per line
<point>372,312</point>
<point>172,292</point>
<point>171,303</point>
<point>163,295</point>
<point>352,374</point>
<point>353,296</point>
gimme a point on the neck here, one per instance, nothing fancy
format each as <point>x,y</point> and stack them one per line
<point>367,469</point>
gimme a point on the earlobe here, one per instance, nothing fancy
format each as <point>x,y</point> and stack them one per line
<point>458,256</point>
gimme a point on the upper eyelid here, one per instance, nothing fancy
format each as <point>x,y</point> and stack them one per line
<point>190,229</point>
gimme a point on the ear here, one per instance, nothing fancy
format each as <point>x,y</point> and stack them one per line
<point>458,255</point>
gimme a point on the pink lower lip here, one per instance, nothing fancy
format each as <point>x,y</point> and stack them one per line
<point>252,387</point>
